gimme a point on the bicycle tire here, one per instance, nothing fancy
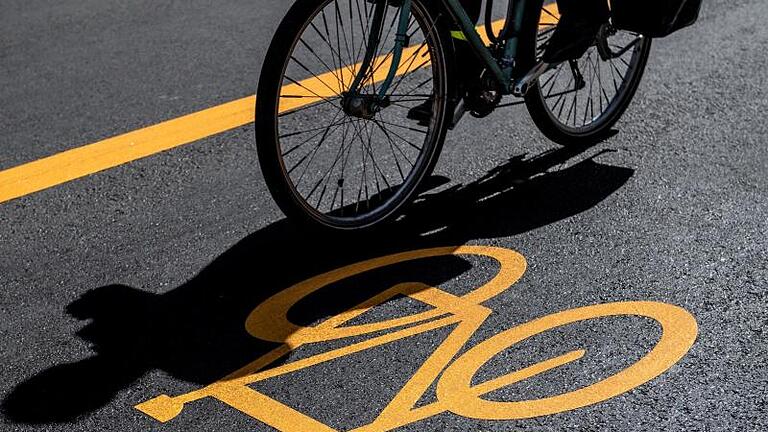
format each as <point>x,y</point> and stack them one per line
<point>282,186</point>
<point>594,128</point>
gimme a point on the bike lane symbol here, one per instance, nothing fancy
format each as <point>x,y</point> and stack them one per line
<point>455,391</point>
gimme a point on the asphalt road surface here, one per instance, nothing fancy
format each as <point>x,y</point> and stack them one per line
<point>616,287</point>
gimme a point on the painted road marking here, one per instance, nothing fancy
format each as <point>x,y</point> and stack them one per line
<point>109,153</point>
<point>83,161</point>
<point>449,366</point>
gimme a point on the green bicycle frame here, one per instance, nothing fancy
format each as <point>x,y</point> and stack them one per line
<point>501,69</point>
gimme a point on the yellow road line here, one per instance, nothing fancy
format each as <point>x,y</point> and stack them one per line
<point>102,155</point>
<point>83,161</point>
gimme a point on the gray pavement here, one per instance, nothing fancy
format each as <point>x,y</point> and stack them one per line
<point>137,281</point>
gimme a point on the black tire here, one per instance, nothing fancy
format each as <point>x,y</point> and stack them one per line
<point>382,204</point>
<point>594,127</point>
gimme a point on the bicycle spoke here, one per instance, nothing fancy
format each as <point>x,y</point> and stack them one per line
<point>613,79</point>
<point>589,100</point>
<point>352,32</point>
<point>404,127</point>
<point>393,143</point>
<point>403,106</point>
<point>364,180</point>
<point>326,175</point>
<point>341,181</point>
<point>340,19</point>
<point>411,60</point>
<point>410,93</point>
<point>364,29</point>
<point>313,152</point>
<point>309,106</point>
<point>301,132</point>
<point>293,81</point>
<point>312,74</point>
<point>335,55</point>
<point>552,79</point>
<point>367,147</point>
<point>546,11</point>
<point>561,98</point>
<point>381,122</point>
<point>290,96</point>
<point>392,149</point>
<point>342,63</point>
<point>408,71</point>
<point>625,62</point>
<point>544,34</point>
<point>398,102</point>
<point>334,71</point>
<point>602,91</point>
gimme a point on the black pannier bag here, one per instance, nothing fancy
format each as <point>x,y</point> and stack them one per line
<point>654,18</point>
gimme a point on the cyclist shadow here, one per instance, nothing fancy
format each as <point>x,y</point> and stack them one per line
<point>513,198</point>
<point>195,332</point>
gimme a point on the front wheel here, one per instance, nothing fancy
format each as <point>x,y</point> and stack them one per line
<point>578,102</point>
<point>331,168</point>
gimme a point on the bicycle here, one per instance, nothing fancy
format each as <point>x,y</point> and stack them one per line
<point>333,141</point>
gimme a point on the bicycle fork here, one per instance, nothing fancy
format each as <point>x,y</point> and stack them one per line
<point>366,106</point>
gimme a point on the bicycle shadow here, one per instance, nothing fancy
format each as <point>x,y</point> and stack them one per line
<point>195,332</point>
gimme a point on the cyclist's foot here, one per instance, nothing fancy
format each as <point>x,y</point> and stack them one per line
<point>469,69</point>
<point>421,113</point>
<point>576,31</point>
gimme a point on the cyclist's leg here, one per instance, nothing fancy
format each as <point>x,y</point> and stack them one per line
<point>468,66</point>
<point>580,20</point>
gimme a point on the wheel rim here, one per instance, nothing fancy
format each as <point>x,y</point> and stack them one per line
<point>347,171</point>
<point>606,81</point>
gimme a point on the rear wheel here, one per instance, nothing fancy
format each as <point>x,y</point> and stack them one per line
<point>578,102</point>
<point>325,166</point>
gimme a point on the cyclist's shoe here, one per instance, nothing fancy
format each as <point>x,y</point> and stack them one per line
<point>467,73</point>
<point>580,21</point>
<point>421,113</point>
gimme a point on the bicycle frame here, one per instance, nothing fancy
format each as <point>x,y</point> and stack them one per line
<point>501,69</point>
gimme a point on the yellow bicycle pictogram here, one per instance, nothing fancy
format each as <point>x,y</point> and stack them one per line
<point>454,373</point>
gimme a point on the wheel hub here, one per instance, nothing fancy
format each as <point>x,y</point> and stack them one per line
<point>363,106</point>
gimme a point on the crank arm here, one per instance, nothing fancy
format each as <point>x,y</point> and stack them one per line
<point>522,85</point>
